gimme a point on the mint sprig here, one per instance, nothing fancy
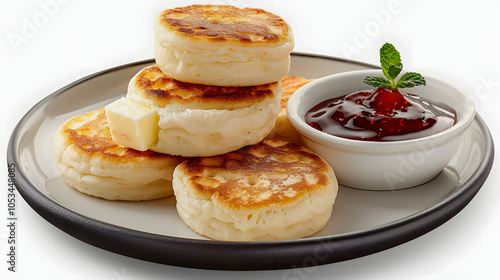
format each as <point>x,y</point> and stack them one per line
<point>390,60</point>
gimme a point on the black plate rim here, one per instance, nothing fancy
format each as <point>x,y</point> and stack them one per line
<point>211,254</point>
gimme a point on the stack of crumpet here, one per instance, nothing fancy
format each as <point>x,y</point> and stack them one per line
<point>207,124</point>
<point>216,85</point>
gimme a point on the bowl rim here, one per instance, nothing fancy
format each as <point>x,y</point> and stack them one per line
<point>307,131</point>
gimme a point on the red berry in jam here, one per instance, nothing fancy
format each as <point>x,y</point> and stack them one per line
<point>386,101</point>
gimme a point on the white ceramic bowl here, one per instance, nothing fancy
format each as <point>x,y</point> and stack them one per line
<point>381,165</point>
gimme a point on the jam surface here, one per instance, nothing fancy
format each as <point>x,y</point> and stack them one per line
<point>380,115</point>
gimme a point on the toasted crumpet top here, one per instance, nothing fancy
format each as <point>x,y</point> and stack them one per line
<point>91,135</point>
<point>222,22</point>
<point>290,84</point>
<point>152,86</point>
<point>271,172</point>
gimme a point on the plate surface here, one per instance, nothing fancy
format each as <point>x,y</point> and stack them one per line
<point>362,222</point>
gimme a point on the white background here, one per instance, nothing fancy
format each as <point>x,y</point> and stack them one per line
<point>47,44</point>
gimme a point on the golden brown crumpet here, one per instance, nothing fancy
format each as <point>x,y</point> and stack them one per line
<point>267,173</point>
<point>91,162</point>
<point>200,120</point>
<point>225,23</point>
<point>222,45</point>
<point>152,86</point>
<point>283,128</point>
<point>269,191</point>
<point>290,84</point>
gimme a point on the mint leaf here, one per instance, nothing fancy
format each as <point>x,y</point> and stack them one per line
<point>377,82</point>
<point>410,79</point>
<point>394,71</point>
<point>390,60</point>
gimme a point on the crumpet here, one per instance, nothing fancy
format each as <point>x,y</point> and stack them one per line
<point>203,120</point>
<point>283,128</point>
<point>273,190</point>
<point>222,45</point>
<point>91,162</point>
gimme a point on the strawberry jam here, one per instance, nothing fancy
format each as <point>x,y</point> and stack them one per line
<point>380,115</point>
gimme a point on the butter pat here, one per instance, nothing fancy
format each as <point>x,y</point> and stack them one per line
<point>132,124</point>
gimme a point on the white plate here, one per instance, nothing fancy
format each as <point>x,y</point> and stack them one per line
<point>362,222</point>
